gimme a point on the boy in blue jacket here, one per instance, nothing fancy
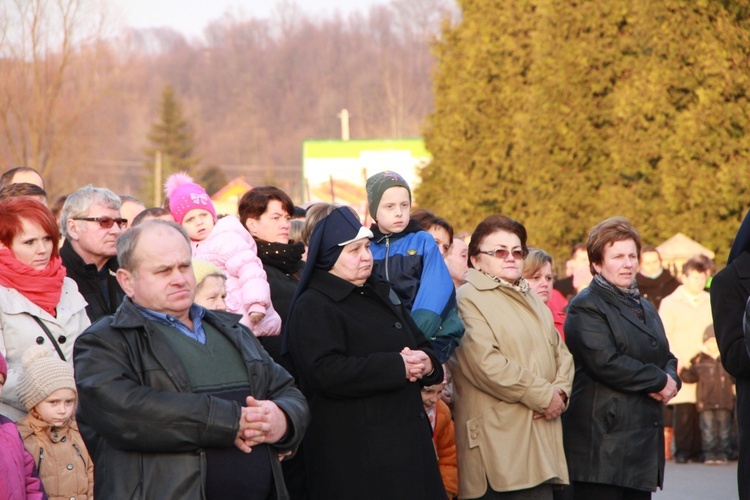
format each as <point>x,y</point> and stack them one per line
<point>409,259</point>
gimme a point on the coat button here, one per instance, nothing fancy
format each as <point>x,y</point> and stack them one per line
<point>398,325</point>
<point>653,343</point>
<point>474,435</point>
<point>473,427</point>
<point>69,467</point>
<point>656,424</point>
<point>40,340</point>
<point>62,338</point>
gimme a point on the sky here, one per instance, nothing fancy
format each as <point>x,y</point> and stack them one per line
<point>191,16</point>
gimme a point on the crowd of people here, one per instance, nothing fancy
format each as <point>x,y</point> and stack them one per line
<point>174,352</point>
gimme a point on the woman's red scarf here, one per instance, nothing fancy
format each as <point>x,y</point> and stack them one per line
<point>43,288</point>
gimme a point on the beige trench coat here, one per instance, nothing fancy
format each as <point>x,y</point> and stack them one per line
<point>685,321</point>
<point>505,369</point>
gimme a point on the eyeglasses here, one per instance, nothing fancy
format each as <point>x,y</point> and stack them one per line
<point>105,222</point>
<point>502,253</point>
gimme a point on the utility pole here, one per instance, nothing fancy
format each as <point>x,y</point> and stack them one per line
<point>157,179</point>
<point>344,115</point>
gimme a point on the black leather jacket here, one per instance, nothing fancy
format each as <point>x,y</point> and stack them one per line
<point>613,430</point>
<point>142,424</point>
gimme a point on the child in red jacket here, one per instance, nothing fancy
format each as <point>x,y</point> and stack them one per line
<point>442,436</point>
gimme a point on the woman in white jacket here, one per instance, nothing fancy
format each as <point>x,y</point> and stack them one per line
<point>39,305</point>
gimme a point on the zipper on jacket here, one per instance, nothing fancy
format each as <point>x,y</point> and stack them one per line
<point>387,254</point>
<point>41,457</point>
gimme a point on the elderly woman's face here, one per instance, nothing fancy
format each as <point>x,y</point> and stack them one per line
<point>355,262</point>
<point>619,263</point>
<point>508,267</point>
<point>272,225</point>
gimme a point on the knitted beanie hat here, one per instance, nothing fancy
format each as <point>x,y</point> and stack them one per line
<point>43,374</point>
<point>378,183</point>
<point>202,269</point>
<point>185,195</point>
<point>3,367</point>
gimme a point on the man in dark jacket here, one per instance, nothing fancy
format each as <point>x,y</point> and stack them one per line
<point>654,282</point>
<point>91,223</point>
<point>175,397</point>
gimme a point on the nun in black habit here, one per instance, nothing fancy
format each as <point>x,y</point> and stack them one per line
<point>361,362</point>
<point>730,290</point>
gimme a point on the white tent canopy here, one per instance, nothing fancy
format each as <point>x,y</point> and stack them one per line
<point>681,248</point>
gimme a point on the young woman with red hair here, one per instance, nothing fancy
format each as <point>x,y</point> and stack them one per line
<point>39,305</point>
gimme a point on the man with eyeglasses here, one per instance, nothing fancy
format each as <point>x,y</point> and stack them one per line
<point>91,223</point>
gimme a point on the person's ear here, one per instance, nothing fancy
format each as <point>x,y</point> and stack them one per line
<point>597,268</point>
<point>126,280</point>
<point>73,233</point>
<point>475,262</point>
<point>250,224</point>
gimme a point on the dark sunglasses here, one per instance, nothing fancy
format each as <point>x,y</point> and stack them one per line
<point>502,253</point>
<point>105,222</point>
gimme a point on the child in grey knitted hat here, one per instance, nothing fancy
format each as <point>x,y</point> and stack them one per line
<point>49,432</point>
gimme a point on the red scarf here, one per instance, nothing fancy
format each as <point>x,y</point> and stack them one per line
<point>43,288</point>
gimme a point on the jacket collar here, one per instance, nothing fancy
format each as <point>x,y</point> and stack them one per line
<point>338,289</point>
<point>483,282</point>
<point>648,327</point>
<point>647,281</point>
<point>742,264</point>
<point>412,227</point>
<point>74,264</point>
<point>335,288</point>
<point>682,296</point>
<point>71,302</point>
<point>128,316</point>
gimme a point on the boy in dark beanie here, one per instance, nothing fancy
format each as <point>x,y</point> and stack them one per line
<point>409,259</point>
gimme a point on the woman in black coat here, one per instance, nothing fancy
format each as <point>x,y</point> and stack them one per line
<point>265,212</point>
<point>361,362</point>
<point>625,373</point>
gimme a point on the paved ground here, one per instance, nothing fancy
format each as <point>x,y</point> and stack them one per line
<point>699,482</point>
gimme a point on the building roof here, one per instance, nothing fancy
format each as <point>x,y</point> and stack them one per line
<point>225,200</point>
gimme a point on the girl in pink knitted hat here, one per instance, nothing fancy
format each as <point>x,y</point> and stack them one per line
<point>226,244</point>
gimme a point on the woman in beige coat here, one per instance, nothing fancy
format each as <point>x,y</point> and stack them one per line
<point>512,375</point>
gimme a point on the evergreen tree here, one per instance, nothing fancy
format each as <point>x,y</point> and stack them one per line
<point>212,178</point>
<point>173,137</point>
<point>560,114</point>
